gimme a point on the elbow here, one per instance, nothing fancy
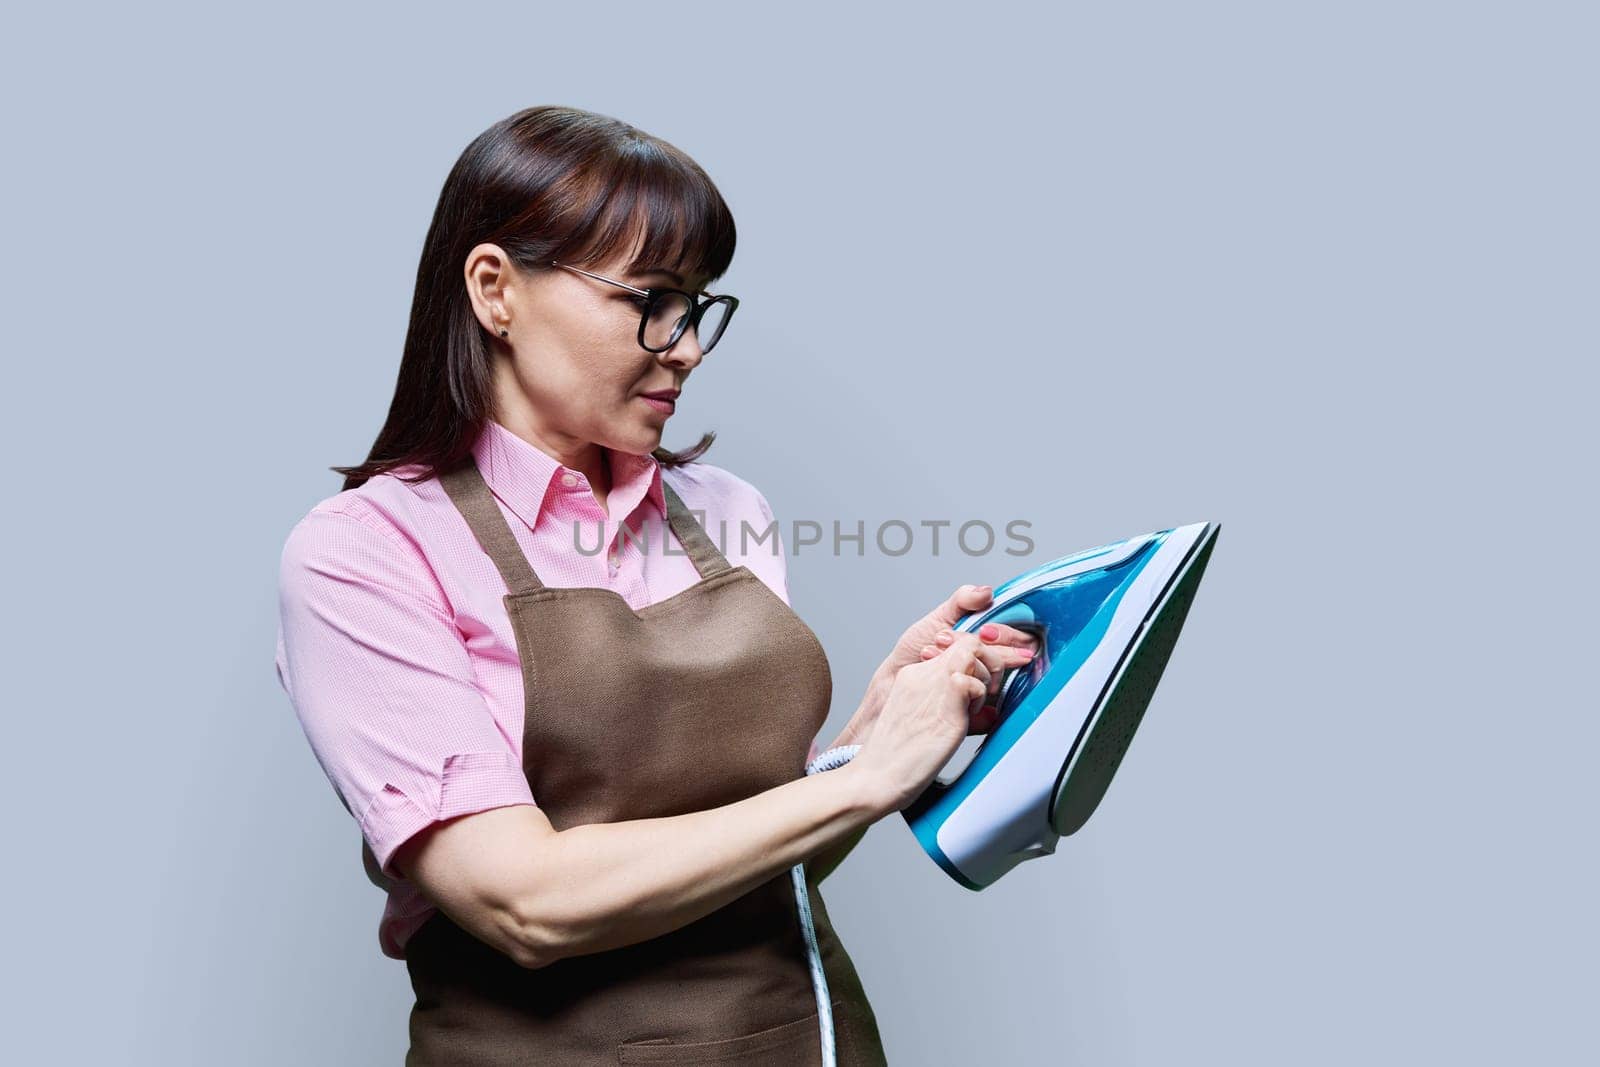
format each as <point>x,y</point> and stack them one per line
<point>536,919</point>
<point>534,940</point>
<point>548,918</point>
<point>540,934</point>
<point>530,954</point>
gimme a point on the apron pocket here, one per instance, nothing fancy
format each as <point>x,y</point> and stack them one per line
<point>786,1045</point>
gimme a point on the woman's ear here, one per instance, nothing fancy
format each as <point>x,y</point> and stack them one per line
<point>489,274</point>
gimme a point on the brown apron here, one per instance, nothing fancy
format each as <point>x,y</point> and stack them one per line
<point>696,701</point>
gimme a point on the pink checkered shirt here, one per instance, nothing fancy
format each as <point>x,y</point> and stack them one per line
<point>396,650</point>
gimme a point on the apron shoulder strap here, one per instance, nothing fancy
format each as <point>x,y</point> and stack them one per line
<point>703,552</point>
<point>476,503</point>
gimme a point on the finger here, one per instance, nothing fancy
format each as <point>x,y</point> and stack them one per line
<point>1015,655</point>
<point>962,655</point>
<point>977,697</point>
<point>964,601</point>
<point>969,661</point>
<point>958,644</point>
<point>946,638</point>
<point>980,671</point>
<point>1018,646</point>
<point>1001,660</point>
<point>998,633</point>
<point>993,663</point>
<point>968,686</point>
<point>996,659</point>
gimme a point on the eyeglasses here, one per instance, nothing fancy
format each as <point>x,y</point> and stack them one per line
<point>665,314</point>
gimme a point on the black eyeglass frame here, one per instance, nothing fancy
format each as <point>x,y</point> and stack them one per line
<point>654,293</point>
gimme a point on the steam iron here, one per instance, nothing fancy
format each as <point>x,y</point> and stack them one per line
<point>1106,620</point>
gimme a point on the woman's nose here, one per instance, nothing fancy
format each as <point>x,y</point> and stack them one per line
<point>685,352</point>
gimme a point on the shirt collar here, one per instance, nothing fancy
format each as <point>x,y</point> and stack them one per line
<point>530,480</point>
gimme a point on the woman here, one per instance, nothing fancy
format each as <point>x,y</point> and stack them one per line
<point>582,780</point>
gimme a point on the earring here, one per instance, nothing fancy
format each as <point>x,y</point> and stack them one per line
<point>502,331</point>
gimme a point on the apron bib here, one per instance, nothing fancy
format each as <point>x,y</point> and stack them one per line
<point>696,701</point>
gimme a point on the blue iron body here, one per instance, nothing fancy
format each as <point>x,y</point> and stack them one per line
<point>1106,620</point>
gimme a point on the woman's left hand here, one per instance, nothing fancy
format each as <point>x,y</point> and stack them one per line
<point>1017,644</point>
<point>964,601</point>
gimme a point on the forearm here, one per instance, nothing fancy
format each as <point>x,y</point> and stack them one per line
<point>872,700</point>
<point>827,861</point>
<point>604,885</point>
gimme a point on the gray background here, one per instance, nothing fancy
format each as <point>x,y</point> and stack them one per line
<point>1325,274</point>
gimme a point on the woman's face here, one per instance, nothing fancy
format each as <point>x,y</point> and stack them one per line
<point>570,368</point>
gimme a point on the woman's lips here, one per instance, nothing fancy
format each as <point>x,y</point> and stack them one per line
<point>666,407</point>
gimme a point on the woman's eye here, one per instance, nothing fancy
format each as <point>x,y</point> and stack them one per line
<point>637,301</point>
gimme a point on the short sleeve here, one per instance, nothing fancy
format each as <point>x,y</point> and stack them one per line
<point>379,677</point>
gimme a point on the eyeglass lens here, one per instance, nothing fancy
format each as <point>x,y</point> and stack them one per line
<point>668,314</point>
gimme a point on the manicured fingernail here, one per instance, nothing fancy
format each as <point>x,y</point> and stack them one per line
<point>985,588</point>
<point>945,638</point>
<point>988,631</point>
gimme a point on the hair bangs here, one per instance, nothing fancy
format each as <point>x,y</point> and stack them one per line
<point>665,211</point>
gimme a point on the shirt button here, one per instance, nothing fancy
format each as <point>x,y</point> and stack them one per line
<point>569,479</point>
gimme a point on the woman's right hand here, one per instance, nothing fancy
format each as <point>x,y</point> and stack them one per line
<point>925,718</point>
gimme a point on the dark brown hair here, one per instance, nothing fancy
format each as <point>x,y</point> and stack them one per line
<point>545,183</point>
